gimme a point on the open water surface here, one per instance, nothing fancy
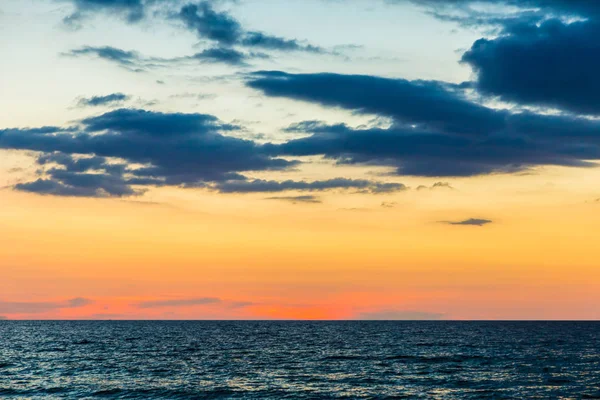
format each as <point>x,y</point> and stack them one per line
<point>299,360</point>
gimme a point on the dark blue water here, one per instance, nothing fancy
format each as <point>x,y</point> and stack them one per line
<point>188,360</point>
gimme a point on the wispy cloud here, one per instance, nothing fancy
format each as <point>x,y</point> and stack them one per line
<point>180,302</point>
<point>469,222</point>
<point>257,186</point>
<point>224,29</point>
<point>437,185</point>
<point>19,307</point>
<point>297,199</point>
<point>95,101</point>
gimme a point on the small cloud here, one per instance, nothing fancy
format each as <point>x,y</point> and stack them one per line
<point>387,204</point>
<point>399,315</point>
<point>241,304</point>
<point>469,222</point>
<point>3,318</point>
<point>222,55</point>
<point>259,185</point>
<point>136,62</point>
<point>160,82</point>
<point>179,303</point>
<point>79,302</point>
<point>108,100</point>
<point>297,199</point>
<point>437,185</point>
<point>22,307</point>
<point>223,29</point>
<point>195,96</point>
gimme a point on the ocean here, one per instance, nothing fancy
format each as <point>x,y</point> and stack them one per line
<point>299,360</point>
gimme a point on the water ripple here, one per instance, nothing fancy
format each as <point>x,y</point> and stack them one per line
<point>298,360</point>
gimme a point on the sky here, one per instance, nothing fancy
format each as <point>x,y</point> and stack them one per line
<point>314,159</point>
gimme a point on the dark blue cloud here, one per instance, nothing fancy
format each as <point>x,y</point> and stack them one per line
<point>470,222</point>
<point>262,186</point>
<point>554,64</point>
<point>418,153</point>
<point>405,101</point>
<point>94,176</point>
<point>584,8</point>
<point>224,29</point>
<point>269,42</point>
<point>211,24</point>
<point>297,199</point>
<point>187,150</point>
<point>130,60</point>
<point>132,10</point>
<point>110,99</point>
<point>221,55</point>
<point>135,62</point>
<point>437,185</point>
<point>121,152</point>
<point>141,122</point>
<point>65,183</point>
<point>436,131</point>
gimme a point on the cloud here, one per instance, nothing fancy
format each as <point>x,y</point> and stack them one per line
<point>127,59</point>
<point>583,8</point>
<point>222,55</point>
<point>159,149</point>
<point>80,185</point>
<point>107,100</point>
<point>241,304</point>
<point>2,318</point>
<point>179,303</point>
<point>240,186</point>
<point>222,28</point>
<point>469,222</point>
<point>211,24</point>
<point>72,176</point>
<point>399,315</point>
<point>196,96</point>
<point>135,62</point>
<point>437,185</point>
<point>436,131</point>
<point>131,10</point>
<point>267,42</point>
<point>79,302</point>
<point>123,152</point>
<point>408,102</point>
<point>297,199</point>
<point>16,307</point>
<point>554,65</point>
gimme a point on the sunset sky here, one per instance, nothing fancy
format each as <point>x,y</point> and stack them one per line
<point>301,159</point>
